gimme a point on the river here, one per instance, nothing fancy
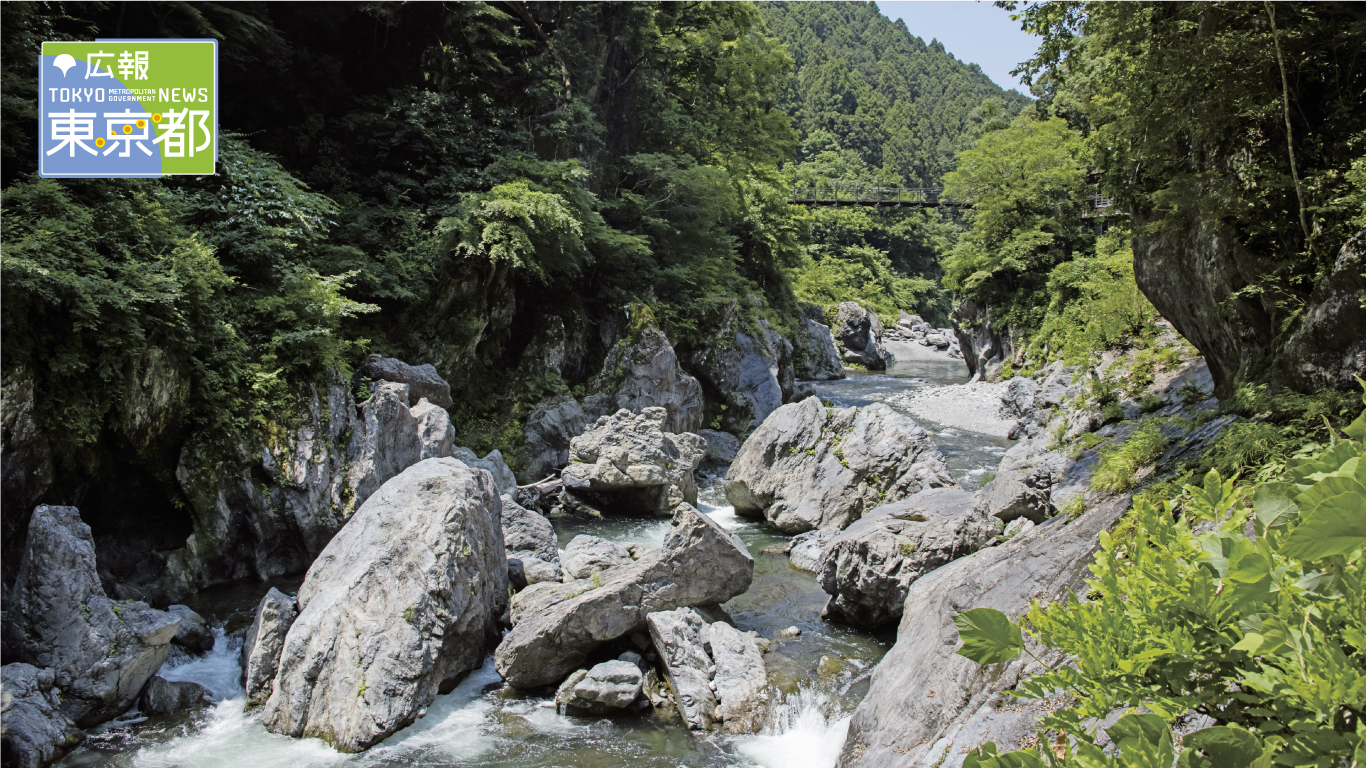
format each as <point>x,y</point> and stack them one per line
<point>482,724</point>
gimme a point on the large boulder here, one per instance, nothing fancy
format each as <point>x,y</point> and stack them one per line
<point>586,555</point>
<point>33,729</point>
<point>101,651</point>
<point>548,430</point>
<point>556,626</point>
<point>752,375</point>
<point>609,686</point>
<point>193,633</point>
<point>812,467</point>
<point>807,550</point>
<point>398,607</point>
<point>922,692</point>
<point>264,641</point>
<point>1024,482</point>
<point>987,343</point>
<point>163,697</point>
<point>860,334</point>
<point>717,673</point>
<point>626,463</point>
<point>819,358</point>
<point>721,446</point>
<point>641,371</point>
<point>423,381</point>
<point>434,430</point>
<point>868,568</point>
<point>532,548</point>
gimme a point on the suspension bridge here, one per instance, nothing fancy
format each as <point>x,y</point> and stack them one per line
<point>887,197</point>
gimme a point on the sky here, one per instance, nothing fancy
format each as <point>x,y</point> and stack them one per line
<point>975,32</point>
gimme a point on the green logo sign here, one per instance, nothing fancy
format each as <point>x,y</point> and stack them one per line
<point>114,108</point>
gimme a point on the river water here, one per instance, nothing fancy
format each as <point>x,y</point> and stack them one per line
<point>818,677</point>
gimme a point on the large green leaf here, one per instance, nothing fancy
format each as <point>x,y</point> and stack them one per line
<point>1223,747</point>
<point>988,636</point>
<point>1337,524</point>
<point>1273,504</point>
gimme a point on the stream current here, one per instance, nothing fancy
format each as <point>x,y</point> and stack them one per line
<point>481,724</point>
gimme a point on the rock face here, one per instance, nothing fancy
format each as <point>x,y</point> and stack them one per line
<point>434,430</point>
<point>26,470</point>
<point>717,672</point>
<point>315,477</point>
<point>503,478</point>
<point>193,632</point>
<point>101,651</point>
<point>548,431</point>
<point>1024,483</point>
<point>628,464</point>
<point>899,723</point>
<point>422,380</point>
<point>819,359</point>
<point>401,603</point>
<point>556,626</point>
<point>586,555</point>
<point>643,372</point>
<point>163,697</point>
<point>868,569</point>
<point>721,446</point>
<point>263,643</point>
<point>751,375</point>
<point>35,731</point>
<point>986,343</point>
<point>611,685</point>
<point>811,467</point>
<point>530,541</point>
<point>860,334</point>
<point>1194,274</point>
<point>681,638</point>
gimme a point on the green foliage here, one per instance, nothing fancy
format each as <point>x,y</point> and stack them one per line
<point>1265,633</point>
<point>1118,464</point>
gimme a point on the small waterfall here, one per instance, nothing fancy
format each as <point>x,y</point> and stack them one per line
<point>804,730</point>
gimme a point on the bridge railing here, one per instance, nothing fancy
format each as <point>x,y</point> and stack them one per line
<point>840,193</point>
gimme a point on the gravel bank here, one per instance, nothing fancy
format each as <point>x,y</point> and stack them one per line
<point>975,406</point>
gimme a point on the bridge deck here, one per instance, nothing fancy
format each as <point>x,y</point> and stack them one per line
<point>893,197</point>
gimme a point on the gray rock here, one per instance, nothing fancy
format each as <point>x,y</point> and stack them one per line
<point>741,679</point>
<point>193,632</point>
<point>643,372</point>
<point>398,606</point>
<point>811,467</point>
<point>26,467</point>
<point>627,463</point>
<point>163,697</point>
<point>548,431</point>
<point>721,446</point>
<point>264,641</point>
<point>860,333</point>
<point>753,374</point>
<point>936,340</point>
<point>556,626</point>
<point>1024,483</point>
<point>611,685</point>
<point>390,442</point>
<point>899,722</point>
<point>527,531</point>
<point>1324,351</point>
<point>869,567</point>
<point>807,548</point>
<point>819,359</point>
<point>434,430</point>
<point>422,380</point>
<point>493,462</point>
<point>525,569</point>
<point>1017,400</point>
<point>986,343</point>
<point>681,638</point>
<point>586,555</point>
<point>35,731</point>
<point>101,651</point>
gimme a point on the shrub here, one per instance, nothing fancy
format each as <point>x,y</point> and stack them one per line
<point>1119,463</point>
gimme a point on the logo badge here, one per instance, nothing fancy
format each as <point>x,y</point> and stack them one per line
<point>122,108</point>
